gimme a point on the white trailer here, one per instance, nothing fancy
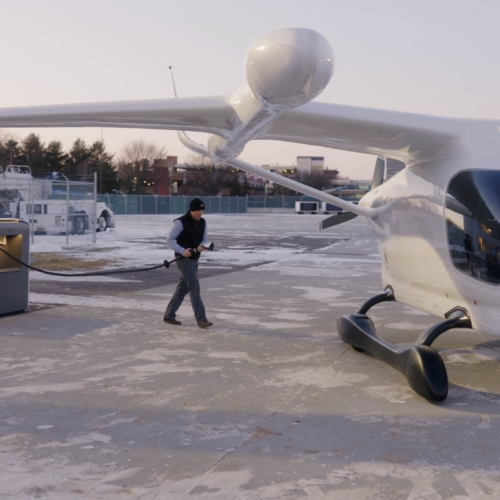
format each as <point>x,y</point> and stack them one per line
<point>328,208</point>
<point>307,207</point>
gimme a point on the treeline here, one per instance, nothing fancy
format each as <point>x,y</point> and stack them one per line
<point>130,172</point>
<point>79,163</point>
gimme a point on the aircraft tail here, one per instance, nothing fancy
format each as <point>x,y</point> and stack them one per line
<point>377,179</point>
<point>378,172</point>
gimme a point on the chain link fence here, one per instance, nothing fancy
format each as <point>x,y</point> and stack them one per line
<point>152,204</point>
<point>137,204</point>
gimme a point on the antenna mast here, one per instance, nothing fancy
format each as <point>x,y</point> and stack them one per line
<point>173,82</point>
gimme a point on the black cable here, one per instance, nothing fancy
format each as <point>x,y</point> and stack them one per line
<point>165,264</point>
<point>97,273</point>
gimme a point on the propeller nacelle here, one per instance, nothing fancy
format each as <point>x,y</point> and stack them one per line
<point>284,69</point>
<point>289,67</point>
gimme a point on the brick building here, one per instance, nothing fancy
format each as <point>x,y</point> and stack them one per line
<point>162,173</point>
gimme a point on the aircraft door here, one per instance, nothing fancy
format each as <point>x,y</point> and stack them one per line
<point>473,223</point>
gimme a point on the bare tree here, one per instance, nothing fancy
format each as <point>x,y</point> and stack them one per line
<point>4,136</point>
<point>317,180</point>
<point>206,178</point>
<point>134,165</point>
<point>141,152</point>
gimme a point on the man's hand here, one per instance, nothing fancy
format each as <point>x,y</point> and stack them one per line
<point>201,248</point>
<point>187,253</point>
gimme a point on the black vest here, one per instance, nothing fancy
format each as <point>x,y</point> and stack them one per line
<point>192,233</point>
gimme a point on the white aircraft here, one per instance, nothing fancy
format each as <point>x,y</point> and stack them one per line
<point>436,222</point>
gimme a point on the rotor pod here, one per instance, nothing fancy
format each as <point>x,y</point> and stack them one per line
<point>426,373</point>
<point>289,67</point>
<point>422,366</point>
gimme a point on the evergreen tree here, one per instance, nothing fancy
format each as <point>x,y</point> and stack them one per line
<point>13,153</point>
<point>32,149</point>
<point>77,164</point>
<point>4,157</point>
<point>55,157</point>
<point>102,162</point>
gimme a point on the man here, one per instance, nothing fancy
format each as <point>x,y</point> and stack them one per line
<point>187,238</point>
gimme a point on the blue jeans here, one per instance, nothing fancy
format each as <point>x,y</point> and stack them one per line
<point>188,283</point>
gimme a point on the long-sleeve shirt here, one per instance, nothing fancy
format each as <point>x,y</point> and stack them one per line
<point>174,233</point>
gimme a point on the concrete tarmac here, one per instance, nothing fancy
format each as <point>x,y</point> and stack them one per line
<point>111,403</point>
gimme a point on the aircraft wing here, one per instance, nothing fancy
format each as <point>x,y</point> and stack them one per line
<point>203,114</point>
<point>403,136</point>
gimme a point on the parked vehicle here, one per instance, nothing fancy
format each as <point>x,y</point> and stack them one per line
<point>49,216</point>
<point>30,199</point>
<point>307,207</point>
<point>327,208</point>
<point>5,213</point>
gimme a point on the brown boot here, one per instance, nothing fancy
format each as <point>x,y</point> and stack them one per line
<point>172,321</point>
<point>205,324</point>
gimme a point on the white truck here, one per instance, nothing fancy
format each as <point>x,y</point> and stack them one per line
<point>29,199</point>
<point>57,216</point>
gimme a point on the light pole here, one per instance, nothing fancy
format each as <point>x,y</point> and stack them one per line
<point>100,160</point>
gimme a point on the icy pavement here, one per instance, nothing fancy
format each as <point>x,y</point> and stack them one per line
<point>99,399</point>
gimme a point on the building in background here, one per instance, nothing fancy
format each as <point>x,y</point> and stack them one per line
<point>309,170</point>
<point>162,170</point>
<point>285,170</point>
<point>256,184</point>
<point>170,178</point>
<point>310,164</point>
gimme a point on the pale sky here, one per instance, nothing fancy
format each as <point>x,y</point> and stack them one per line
<point>435,57</point>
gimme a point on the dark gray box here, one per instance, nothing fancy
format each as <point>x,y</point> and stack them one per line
<point>14,278</point>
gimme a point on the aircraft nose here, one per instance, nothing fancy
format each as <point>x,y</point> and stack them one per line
<point>289,67</point>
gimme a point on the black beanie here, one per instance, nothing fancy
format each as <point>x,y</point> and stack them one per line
<point>196,204</point>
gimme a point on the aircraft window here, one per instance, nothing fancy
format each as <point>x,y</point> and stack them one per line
<point>473,223</point>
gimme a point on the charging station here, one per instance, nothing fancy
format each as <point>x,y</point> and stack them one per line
<point>14,278</point>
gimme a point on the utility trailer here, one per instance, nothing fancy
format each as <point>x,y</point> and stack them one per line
<point>328,208</point>
<point>306,207</point>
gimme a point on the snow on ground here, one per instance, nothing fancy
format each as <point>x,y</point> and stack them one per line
<point>141,240</point>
